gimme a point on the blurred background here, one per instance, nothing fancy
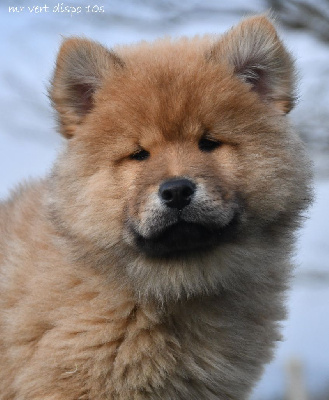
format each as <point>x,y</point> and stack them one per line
<point>31,32</point>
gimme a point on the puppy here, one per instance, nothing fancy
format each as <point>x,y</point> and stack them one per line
<point>152,263</point>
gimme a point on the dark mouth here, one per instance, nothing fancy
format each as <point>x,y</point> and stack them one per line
<point>186,238</point>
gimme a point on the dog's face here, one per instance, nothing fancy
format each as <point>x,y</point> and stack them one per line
<point>178,151</point>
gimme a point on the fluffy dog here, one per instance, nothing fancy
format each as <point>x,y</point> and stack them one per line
<point>152,263</point>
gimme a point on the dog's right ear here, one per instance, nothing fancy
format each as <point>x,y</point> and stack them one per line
<point>256,55</point>
<point>80,70</point>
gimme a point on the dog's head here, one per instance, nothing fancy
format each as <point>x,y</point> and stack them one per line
<point>179,156</point>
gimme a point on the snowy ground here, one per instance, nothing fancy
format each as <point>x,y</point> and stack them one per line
<point>28,142</point>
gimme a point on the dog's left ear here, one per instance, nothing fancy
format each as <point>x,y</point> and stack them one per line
<point>257,56</point>
<point>81,68</point>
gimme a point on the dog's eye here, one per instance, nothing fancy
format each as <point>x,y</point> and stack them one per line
<point>208,145</point>
<point>140,155</point>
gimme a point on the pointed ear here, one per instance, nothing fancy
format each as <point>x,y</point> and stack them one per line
<point>80,70</point>
<point>257,56</point>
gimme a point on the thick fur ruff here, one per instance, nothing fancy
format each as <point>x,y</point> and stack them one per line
<point>152,263</point>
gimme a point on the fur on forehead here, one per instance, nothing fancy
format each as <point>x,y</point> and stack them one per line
<point>170,97</point>
<point>173,74</point>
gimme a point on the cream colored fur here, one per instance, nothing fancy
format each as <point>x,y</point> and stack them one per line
<point>84,313</point>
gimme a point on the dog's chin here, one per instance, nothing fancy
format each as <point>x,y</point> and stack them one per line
<point>183,239</point>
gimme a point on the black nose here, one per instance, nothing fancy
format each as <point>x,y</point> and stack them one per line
<point>177,193</point>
